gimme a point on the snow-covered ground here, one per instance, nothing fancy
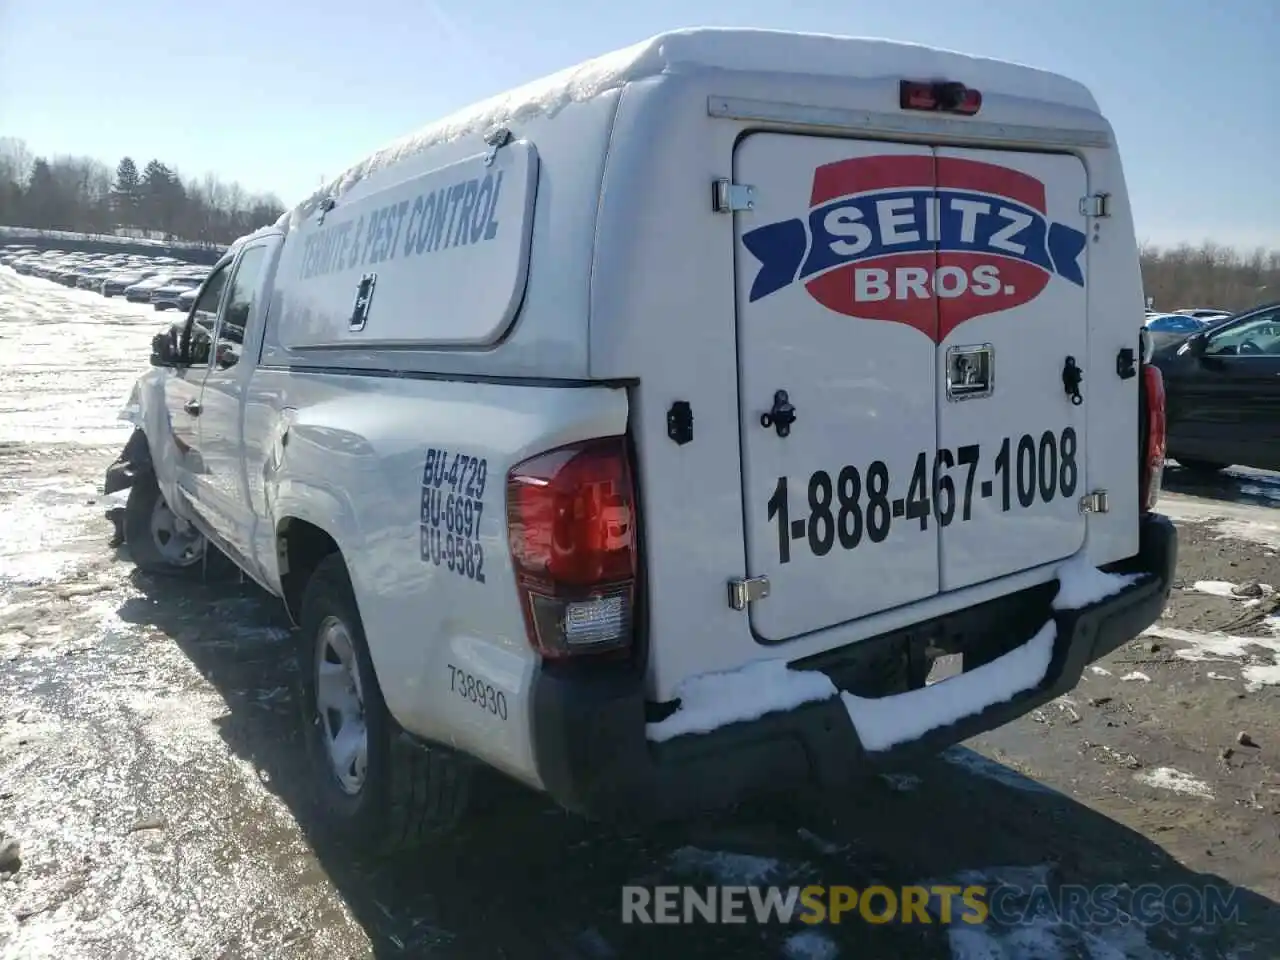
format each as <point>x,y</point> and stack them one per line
<point>68,359</point>
<point>109,736</point>
<point>151,776</point>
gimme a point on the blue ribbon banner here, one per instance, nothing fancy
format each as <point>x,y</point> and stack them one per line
<point>781,247</point>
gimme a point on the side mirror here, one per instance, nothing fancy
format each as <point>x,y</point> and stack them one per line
<point>1197,345</point>
<point>165,351</point>
<point>227,356</point>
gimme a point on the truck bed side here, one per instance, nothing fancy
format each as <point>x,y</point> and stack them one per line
<point>407,478</point>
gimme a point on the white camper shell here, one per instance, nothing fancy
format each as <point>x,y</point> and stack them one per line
<point>829,350</point>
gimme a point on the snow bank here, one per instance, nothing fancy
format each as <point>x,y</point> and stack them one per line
<point>1080,584</point>
<point>1230,521</point>
<point>809,945</point>
<point>726,867</point>
<point>1258,677</point>
<point>1215,588</point>
<point>1224,647</point>
<point>1213,647</point>
<point>1228,590</point>
<point>712,48</point>
<point>1167,778</point>
<point>710,701</point>
<point>887,721</point>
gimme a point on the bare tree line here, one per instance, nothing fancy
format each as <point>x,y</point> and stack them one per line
<point>83,194</point>
<point>1210,275</point>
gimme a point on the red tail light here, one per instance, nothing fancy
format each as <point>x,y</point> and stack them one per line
<point>571,522</point>
<point>941,97</point>
<point>1152,470</point>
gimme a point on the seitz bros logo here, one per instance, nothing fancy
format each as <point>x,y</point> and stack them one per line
<point>886,234</point>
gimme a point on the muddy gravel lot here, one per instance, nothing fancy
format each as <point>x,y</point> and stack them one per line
<point>150,779</point>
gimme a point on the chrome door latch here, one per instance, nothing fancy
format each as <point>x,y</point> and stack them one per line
<point>747,590</point>
<point>1095,502</point>
<point>971,372</point>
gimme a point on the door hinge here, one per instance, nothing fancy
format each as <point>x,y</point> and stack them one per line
<point>728,197</point>
<point>1095,502</point>
<point>747,590</point>
<point>1096,205</point>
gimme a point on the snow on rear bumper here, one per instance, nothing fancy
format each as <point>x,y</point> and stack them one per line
<point>596,754</point>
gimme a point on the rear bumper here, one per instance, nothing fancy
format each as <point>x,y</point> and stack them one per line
<point>589,728</point>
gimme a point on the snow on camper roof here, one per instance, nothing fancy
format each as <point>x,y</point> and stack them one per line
<point>710,48</point>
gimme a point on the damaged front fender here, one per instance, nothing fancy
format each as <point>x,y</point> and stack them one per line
<point>133,461</point>
<point>131,412</point>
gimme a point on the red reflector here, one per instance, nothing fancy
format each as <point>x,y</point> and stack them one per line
<point>918,96</point>
<point>1152,469</point>
<point>940,97</point>
<point>571,530</point>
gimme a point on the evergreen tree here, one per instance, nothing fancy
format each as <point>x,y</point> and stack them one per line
<point>43,201</point>
<point>126,192</point>
<point>160,194</point>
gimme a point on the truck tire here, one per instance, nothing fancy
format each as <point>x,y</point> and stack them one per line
<point>158,541</point>
<point>380,791</point>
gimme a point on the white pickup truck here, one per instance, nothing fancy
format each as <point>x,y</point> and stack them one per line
<point>648,433</point>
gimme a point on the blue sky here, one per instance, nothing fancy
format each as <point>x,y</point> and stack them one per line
<point>279,93</point>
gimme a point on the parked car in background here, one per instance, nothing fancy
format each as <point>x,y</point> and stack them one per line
<point>187,299</point>
<point>1168,328</point>
<point>57,268</point>
<point>24,264</point>
<point>109,274</point>
<point>162,298</point>
<point>68,272</point>
<point>141,292</point>
<point>92,279</point>
<point>1174,323</point>
<point>1222,389</point>
<point>115,284</point>
<point>15,252</point>
<point>85,268</point>
<point>1203,313</point>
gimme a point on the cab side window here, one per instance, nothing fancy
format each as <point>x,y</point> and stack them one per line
<point>207,304</point>
<point>204,314</point>
<point>239,307</point>
<point>1258,337</point>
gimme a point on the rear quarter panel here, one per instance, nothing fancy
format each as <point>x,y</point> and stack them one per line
<point>354,465</point>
